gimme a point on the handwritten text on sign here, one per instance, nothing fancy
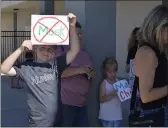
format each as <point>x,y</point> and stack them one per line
<point>49,30</point>
<point>123,90</point>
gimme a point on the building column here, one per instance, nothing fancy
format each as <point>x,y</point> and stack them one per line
<point>46,7</point>
<point>15,12</point>
<point>99,35</point>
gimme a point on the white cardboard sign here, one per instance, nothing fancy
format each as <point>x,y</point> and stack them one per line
<point>49,29</point>
<point>132,76</point>
<point>123,90</point>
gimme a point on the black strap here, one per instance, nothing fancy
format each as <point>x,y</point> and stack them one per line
<point>134,93</point>
<point>167,81</point>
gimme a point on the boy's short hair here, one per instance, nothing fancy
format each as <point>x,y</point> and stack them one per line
<point>54,46</point>
<point>29,55</point>
<point>78,25</point>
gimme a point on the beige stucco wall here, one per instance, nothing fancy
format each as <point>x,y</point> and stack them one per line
<point>4,4</point>
<point>129,14</point>
<point>24,15</point>
<point>23,19</point>
<point>76,7</point>
<point>6,22</point>
<point>59,7</point>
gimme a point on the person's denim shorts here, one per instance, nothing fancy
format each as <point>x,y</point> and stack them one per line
<point>156,110</point>
<point>116,123</point>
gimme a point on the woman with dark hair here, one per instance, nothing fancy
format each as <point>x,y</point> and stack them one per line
<point>132,48</point>
<point>151,70</point>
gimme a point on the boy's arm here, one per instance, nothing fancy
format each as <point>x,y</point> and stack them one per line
<point>74,40</point>
<point>7,65</point>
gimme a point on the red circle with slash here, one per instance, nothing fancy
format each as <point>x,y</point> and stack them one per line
<point>50,29</point>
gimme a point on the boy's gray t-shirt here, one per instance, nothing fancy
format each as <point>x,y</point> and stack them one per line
<point>43,81</point>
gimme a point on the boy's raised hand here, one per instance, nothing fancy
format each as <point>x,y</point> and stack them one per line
<point>72,19</point>
<point>26,45</point>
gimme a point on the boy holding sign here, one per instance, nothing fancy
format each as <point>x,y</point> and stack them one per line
<point>41,77</point>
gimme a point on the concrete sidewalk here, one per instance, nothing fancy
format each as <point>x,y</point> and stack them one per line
<point>13,105</point>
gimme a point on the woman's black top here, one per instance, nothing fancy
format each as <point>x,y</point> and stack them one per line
<point>160,79</point>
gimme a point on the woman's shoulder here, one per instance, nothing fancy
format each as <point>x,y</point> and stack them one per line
<point>145,59</point>
<point>145,52</point>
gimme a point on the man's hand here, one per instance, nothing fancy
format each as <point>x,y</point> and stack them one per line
<point>72,19</point>
<point>91,73</point>
<point>84,70</point>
